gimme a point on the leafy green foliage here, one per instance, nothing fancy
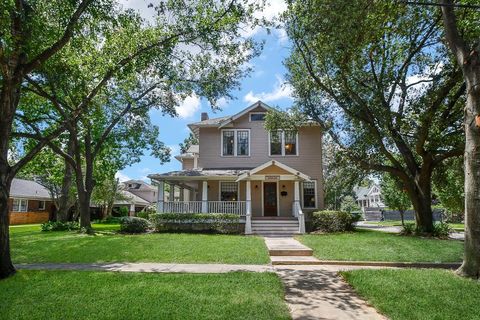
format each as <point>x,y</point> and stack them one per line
<point>134,225</point>
<point>408,228</point>
<point>394,194</point>
<point>187,142</point>
<point>334,221</point>
<point>378,79</point>
<point>196,222</point>
<point>349,205</point>
<point>60,226</point>
<point>448,185</point>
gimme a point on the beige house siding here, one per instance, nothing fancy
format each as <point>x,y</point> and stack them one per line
<point>308,159</point>
<point>187,164</point>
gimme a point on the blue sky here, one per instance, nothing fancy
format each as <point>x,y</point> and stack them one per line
<point>265,83</point>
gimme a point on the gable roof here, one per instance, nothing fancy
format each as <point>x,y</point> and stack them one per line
<point>258,104</point>
<point>22,188</point>
<point>274,163</point>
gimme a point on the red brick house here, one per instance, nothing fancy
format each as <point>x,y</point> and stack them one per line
<point>29,202</point>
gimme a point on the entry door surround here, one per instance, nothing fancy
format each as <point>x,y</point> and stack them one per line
<point>270,199</point>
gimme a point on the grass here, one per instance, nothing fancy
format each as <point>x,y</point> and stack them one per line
<point>398,223</point>
<point>418,293</point>
<point>30,245</point>
<point>106,295</point>
<point>367,245</point>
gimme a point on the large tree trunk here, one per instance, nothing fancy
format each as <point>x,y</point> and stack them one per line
<point>420,193</point>
<point>84,206</point>
<point>471,262</point>
<point>65,201</point>
<point>9,98</point>
<point>6,266</point>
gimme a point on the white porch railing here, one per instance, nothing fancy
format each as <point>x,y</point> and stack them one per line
<point>182,207</point>
<point>233,207</point>
<point>298,213</point>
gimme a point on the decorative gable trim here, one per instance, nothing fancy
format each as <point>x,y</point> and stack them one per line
<point>273,163</point>
<point>244,112</point>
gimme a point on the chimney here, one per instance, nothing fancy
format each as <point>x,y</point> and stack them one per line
<point>204,116</point>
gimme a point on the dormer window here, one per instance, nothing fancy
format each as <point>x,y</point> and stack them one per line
<point>283,143</point>
<point>235,142</point>
<point>257,116</point>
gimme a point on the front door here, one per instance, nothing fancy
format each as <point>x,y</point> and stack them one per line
<point>269,199</point>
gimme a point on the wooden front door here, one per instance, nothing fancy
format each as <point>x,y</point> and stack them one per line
<point>270,199</point>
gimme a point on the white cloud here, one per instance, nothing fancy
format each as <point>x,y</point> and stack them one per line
<point>122,177</point>
<point>188,107</point>
<point>281,90</point>
<point>272,10</point>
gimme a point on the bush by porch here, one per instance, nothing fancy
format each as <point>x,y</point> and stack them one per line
<point>197,222</point>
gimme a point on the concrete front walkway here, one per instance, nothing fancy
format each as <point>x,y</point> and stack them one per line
<point>311,292</point>
<point>319,293</point>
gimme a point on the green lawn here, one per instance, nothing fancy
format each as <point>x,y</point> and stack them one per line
<point>30,245</point>
<point>367,245</point>
<point>109,295</point>
<point>418,293</point>
<point>398,223</point>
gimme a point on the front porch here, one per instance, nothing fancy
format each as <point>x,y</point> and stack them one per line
<point>271,190</point>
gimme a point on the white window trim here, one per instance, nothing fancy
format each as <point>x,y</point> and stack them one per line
<point>282,146</point>
<point>42,208</point>
<point>220,189</point>
<point>316,195</point>
<point>250,116</point>
<point>20,206</point>
<point>235,143</point>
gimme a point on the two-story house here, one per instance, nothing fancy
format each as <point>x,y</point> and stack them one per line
<point>270,179</point>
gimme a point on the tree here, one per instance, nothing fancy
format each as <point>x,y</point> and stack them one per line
<point>394,195</point>
<point>448,182</point>
<point>376,78</point>
<point>106,193</point>
<point>349,205</point>
<point>187,142</point>
<point>462,38</point>
<point>32,33</point>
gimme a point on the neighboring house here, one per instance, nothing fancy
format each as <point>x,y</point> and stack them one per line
<point>239,167</point>
<point>369,197</point>
<point>29,202</point>
<point>141,189</point>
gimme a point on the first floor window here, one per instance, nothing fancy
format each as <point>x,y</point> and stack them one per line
<point>41,205</point>
<point>19,205</point>
<point>283,143</point>
<point>309,194</point>
<point>228,191</point>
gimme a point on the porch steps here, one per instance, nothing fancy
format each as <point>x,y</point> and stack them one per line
<point>275,227</point>
<point>288,251</point>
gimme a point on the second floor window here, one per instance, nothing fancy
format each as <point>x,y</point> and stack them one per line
<point>235,142</point>
<point>283,143</point>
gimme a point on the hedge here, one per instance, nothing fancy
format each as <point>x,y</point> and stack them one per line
<point>334,221</point>
<point>196,222</point>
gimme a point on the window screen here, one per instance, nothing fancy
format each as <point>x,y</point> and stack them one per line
<point>276,143</point>
<point>309,194</point>
<point>242,143</point>
<point>228,191</point>
<point>228,142</point>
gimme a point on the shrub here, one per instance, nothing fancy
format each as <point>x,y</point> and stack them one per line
<point>109,220</point>
<point>60,226</point>
<point>441,230</point>
<point>120,212</point>
<point>134,225</point>
<point>199,222</point>
<point>145,214</point>
<point>408,229</point>
<point>334,221</point>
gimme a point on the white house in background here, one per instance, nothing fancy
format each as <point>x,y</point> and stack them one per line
<point>269,179</point>
<point>369,197</point>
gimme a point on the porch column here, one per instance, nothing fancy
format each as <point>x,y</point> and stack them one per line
<point>131,212</point>
<point>296,194</point>
<point>160,196</point>
<point>204,197</point>
<point>248,218</point>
